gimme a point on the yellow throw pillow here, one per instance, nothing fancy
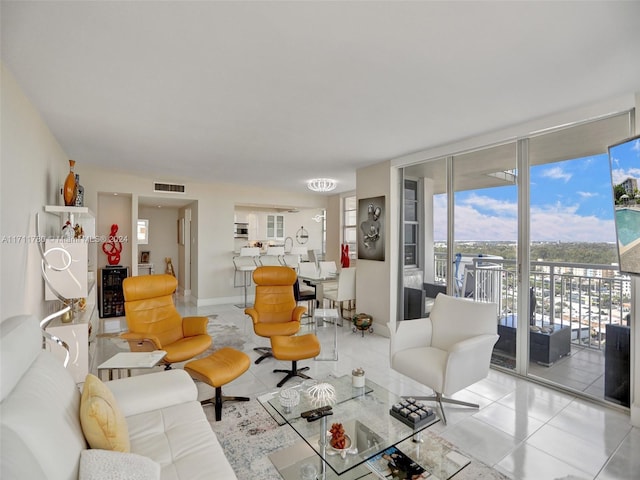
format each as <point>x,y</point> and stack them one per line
<point>103,424</point>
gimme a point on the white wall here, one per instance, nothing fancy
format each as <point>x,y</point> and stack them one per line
<point>213,213</point>
<point>163,237</point>
<point>114,210</point>
<point>375,280</point>
<point>334,228</point>
<point>33,167</point>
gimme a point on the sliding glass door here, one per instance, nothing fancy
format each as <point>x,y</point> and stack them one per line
<point>528,224</point>
<point>485,239</point>
<point>578,292</point>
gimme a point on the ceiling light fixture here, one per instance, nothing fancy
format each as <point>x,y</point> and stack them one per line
<point>321,184</point>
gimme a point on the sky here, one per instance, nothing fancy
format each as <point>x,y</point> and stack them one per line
<point>571,201</point>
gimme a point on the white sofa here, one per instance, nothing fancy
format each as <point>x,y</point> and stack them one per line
<point>41,434</point>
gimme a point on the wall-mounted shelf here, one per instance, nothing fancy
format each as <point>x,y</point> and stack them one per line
<point>73,283</point>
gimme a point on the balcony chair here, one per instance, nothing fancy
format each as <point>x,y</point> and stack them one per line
<point>275,311</point>
<point>245,264</point>
<point>155,324</point>
<point>346,291</point>
<point>448,351</point>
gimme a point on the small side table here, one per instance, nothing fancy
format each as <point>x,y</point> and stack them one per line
<point>325,326</point>
<point>126,361</point>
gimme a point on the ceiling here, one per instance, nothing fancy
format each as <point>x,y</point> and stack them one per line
<point>274,93</point>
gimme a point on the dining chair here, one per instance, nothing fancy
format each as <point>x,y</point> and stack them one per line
<point>301,252</point>
<point>290,260</point>
<point>328,268</point>
<point>346,291</point>
<point>308,269</point>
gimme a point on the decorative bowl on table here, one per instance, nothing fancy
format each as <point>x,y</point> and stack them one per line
<point>362,322</point>
<point>341,451</point>
<point>289,398</point>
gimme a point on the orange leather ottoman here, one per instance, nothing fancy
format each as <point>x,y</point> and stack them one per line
<point>294,348</point>
<point>218,369</point>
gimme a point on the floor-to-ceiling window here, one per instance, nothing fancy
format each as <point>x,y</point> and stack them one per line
<point>573,271</point>
<point>350,225</point>
<point>424,236</point>
<point>485,235</point>
<point>546,200</point>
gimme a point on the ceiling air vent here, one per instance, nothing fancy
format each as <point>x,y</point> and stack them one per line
<point>168,187</point>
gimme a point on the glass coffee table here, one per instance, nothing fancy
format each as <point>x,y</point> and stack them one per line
<point>364,414</point>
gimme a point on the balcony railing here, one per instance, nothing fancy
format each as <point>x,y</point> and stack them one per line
<point>585,297</point>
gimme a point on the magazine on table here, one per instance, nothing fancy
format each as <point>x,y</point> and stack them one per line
<point>393,464</point>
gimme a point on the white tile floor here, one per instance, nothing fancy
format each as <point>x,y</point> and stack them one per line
<point>522,429</point>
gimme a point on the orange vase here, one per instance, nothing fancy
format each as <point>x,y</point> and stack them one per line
<point>69,191</point>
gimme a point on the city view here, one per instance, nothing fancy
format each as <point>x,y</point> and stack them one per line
<point>574,273</point>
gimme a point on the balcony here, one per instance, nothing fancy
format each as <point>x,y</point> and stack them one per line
<point>579,300</point>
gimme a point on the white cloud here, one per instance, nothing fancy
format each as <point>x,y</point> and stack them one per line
<point>556,173</point>
<point>619,175</point>
<point>587,194</point>
<point>553,222</point>
<point>636,146</point>
<point>491,204</point>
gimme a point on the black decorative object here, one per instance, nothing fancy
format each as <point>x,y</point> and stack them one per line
<point>412,413</point>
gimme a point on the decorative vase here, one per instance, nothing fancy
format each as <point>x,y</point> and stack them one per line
<point>79,193</point>
<point>344,255</point>
<point>69,191</point>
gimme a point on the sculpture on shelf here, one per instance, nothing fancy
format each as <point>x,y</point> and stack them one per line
<point>113,247</point>
<point>169,270</point>
<point>70,189</point>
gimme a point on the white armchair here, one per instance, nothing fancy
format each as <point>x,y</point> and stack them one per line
<point>448,351</point>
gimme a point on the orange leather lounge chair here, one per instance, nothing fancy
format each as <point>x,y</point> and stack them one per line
<point>155,324</point>
<point>275,310</point>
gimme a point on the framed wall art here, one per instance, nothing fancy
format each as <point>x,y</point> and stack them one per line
<point>371,218</point>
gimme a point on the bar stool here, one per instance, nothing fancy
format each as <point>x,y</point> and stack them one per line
<point>273,257</point>
<point>245,264</point>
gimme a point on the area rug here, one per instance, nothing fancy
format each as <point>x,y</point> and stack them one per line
<point>248,434</point>
<point>224,335</point>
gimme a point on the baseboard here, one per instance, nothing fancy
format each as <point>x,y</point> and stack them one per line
<point>203,302</point>
<point>635,415</point>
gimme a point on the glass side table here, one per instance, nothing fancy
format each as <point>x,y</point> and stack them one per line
<point>325,326</point>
